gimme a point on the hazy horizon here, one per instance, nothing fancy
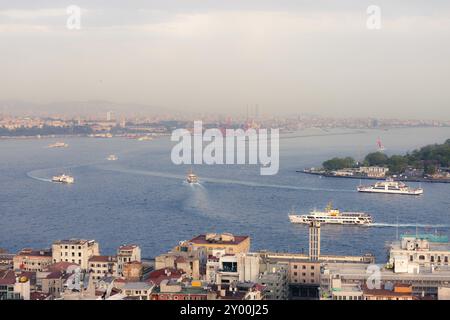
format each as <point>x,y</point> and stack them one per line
<point>286,56</point>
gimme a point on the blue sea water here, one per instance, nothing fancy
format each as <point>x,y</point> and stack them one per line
<point>142,198</point>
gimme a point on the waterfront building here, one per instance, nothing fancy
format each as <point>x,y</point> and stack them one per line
<point>76,251</point>
<point>424,283</point>
<point>102,266</point>
<point>374,171</point>
<point>422,250</point>
<point>231,243</point>
<point>32,260</point>
<point>127,253</point>
<point>189,261</point>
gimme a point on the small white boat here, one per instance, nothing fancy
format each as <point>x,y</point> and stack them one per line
<point>191,177</point>
<point>145,138</point>
<point>58,145</point>
<point>63,179</point>
<point>112,157</point>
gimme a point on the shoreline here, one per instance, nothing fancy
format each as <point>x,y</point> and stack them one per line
<point>403,179</point>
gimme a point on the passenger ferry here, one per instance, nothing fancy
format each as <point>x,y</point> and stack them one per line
<point>332,216</point>
<point>63,179</point>
<point>390,186</point>
<point>191,177</point>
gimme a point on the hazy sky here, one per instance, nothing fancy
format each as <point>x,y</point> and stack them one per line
<point>219,56</point>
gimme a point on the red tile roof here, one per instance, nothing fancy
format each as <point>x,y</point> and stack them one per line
<point>7,277</point>
<point>39,295</point>
<point>159,275</point>
<point>102,259</point>
<point>61,266</point>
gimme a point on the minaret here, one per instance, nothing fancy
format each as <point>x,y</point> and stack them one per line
<point>314,241</point>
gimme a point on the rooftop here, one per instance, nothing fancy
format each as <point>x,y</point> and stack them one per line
<point>7,277</point>
<point>137,286</point>
<point>157,276</point>
<point>234,240</point>
<point>73,241</point>
<point>128,247</point>
<point>102,259</point>
<point>35,253</point>
<point>61,266</point>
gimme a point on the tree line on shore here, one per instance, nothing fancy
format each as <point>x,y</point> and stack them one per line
<point>429,158</point>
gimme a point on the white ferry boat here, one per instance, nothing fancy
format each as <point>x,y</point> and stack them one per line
<point>63,179</point>
<point>191,177</point>
<point>145,138</point>
<point>112,157</point>
<point>58,145</point>
<point>332,216</point>
<point>390,186</point>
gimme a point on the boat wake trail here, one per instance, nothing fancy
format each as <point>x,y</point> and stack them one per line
<point>142,172</point>
<point>274,186</point>
<point>32,175</point>
<point>219,181</point>
<point>42,174</point>
<point>409,225</point>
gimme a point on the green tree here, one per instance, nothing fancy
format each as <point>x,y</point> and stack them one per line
<point>376,159</point>
<point>397,164</point>
<point>339,163</point>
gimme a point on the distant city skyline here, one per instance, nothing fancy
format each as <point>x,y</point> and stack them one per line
<point>287,57</point>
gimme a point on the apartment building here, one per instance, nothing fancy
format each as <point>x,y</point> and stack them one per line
<point>102,266</point>
<point>125,254</point>
<point>32,260</point>
<point>75,251</point>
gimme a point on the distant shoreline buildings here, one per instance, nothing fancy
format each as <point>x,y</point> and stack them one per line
<point>221,266</point>
<point>111,125</point>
